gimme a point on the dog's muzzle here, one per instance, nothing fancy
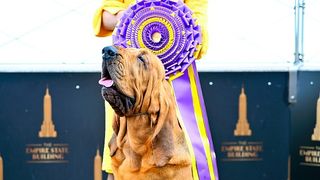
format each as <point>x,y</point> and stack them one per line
<point>109,53</point>
<point>121,103</point>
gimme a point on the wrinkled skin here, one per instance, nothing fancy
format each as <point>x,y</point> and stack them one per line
<point>148,142</point>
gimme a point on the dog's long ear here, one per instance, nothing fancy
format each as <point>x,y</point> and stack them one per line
<point>119,126</point>
<point>113,145</point>
<point>113,141</point>
<point>159,107</point>
<point>163,146</point>
<point>162,137</point>
<point>116,123</point>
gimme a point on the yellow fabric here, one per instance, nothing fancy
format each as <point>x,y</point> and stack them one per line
<point>199,8</point>
<point>113,7</point>
<point>200,121</point>
<point>109,113</point>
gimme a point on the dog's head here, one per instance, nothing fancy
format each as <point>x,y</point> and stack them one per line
<point>131,78</point>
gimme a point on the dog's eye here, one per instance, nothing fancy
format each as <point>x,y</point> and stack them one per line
<point>141,59</point>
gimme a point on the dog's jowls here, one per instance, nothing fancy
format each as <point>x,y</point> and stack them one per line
<point>148,142</point>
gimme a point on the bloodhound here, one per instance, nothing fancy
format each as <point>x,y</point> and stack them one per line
<point>148,142</point>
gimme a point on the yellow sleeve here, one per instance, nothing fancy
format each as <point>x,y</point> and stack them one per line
<point>199,8</point>
<point>113,7</point>
<point>106,162</point>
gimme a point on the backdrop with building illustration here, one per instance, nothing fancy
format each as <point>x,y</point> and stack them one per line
<point>52,125</point>
<point>249,118</point>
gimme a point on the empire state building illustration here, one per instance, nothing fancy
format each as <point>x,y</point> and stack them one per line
<point>47,127</point>
<point>316,132</point>
<point>242,127</point>
<point>97,166</point>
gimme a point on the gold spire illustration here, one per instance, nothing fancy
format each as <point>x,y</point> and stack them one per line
<point>316,132</point>
<point>242,127</point>
<point>47,127</point>
<point>97,166</point>
<point>1,168</point>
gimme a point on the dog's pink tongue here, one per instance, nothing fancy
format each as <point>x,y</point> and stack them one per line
<point>106,82</point>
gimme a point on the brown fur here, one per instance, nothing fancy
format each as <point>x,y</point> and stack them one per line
<point>148,142</point>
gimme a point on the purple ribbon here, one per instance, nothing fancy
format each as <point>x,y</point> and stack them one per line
<point>205,118</point>
<point>185,103</point>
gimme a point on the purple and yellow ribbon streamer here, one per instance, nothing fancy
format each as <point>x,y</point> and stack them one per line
<point>192,110</point>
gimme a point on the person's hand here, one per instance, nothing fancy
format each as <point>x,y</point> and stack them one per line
<point>109,21</point>
<point>119,15</point>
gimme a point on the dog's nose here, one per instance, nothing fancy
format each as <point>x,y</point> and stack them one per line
<point>109,52</point>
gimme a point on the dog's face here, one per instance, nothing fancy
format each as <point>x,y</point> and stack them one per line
<point>129,76</point>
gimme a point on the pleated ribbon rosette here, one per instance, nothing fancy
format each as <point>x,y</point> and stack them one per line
<point>167,28</point>
<point>172,20</point>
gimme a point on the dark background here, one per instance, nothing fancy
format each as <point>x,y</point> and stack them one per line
<point>78,115</point>
<point>303,121</point>
<point>268,116</point>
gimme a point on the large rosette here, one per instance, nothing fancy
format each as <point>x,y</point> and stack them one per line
<point>166,27</point>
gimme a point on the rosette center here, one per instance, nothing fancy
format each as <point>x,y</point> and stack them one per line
<point>156,37</point>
